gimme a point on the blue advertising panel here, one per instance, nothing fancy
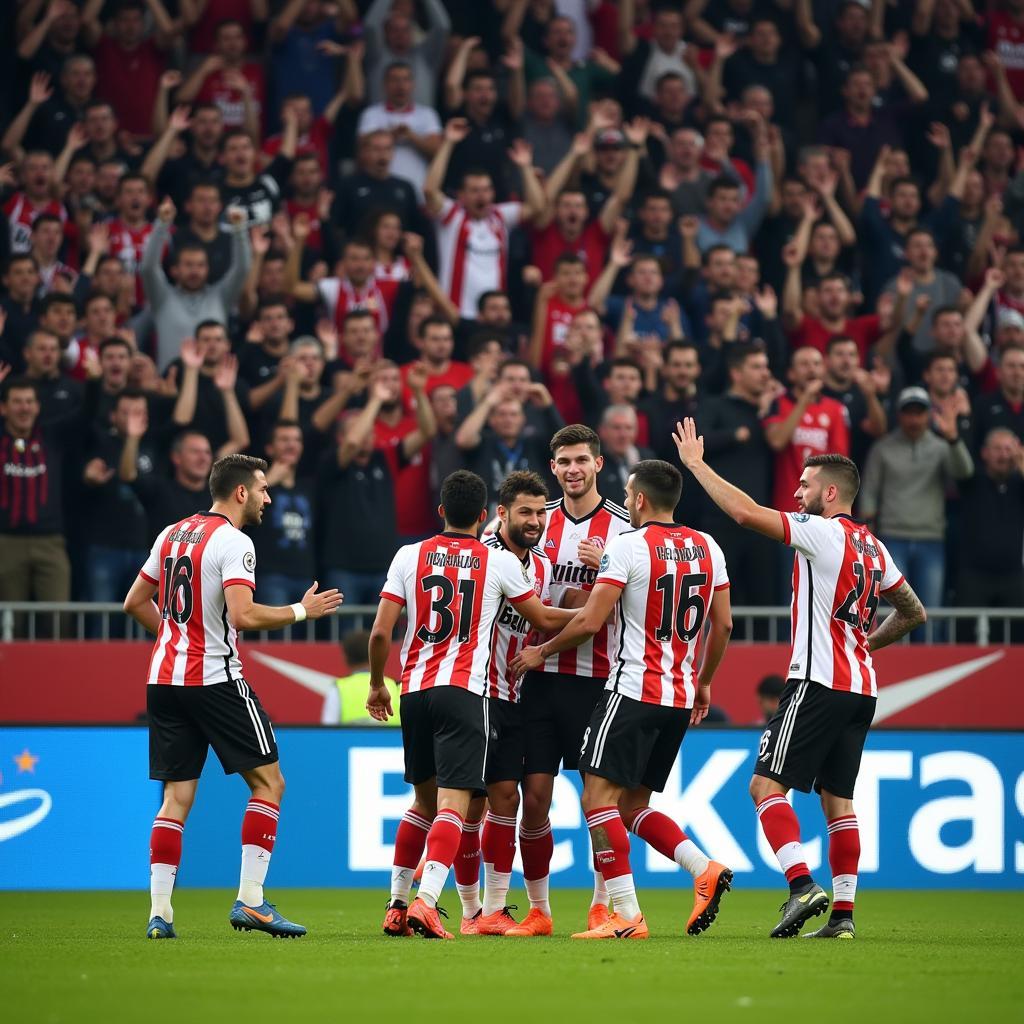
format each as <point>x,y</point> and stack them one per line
<point>936,810</point>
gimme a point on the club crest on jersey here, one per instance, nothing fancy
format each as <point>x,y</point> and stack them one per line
<point>249,561</point>
<point>550,545</point>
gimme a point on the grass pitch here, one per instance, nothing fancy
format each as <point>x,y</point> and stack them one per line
<point>919,956</point>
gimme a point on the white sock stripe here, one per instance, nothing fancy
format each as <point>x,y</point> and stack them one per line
<point>262,809</point>
<point>414,819</point>
<point>639,818</point>
<point>499,820</point>
<point>168,825</point>
<point>595,820</point>
<point>536,833</point>
<point>842,823</point>
<point>471,826</point>
<point>772,801</point>
<point>449,816</point>
<point>843,828</point>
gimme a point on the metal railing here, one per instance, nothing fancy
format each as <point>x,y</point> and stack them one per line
<point>47,620</point>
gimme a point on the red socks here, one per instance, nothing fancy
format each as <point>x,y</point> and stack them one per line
<point>843,858</point>
<point>444,838</point>
<point>615,861</point>
<point>537,847</point>
<point>782,830</point>
<point>657,830</point>
<point>165,841</point>
<point>410,840</point>
<point>499,842</point>
<point>259,824</point>
<point>467,861</point>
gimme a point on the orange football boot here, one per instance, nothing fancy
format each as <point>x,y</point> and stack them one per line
<point>426,921</point>
<point>535,923</point>
<point>618,927</point>
<point>597,916</point>
<point>498,923</point>
<point>395,922</point>
<point>471,925</point>
<point>708,890</point>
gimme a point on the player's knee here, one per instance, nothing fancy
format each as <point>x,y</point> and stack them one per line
<point>504,801</point>
<point>760,788</point>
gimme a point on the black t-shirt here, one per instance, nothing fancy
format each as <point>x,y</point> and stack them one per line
<point>992,515</point>
<point>218,251</point>
<point>284,541</point>
<point>934,60</point>
<point>313,441</point>
<point>19,325</point>
<point>358,505</point>
<point>59,399</point>
<point>114,515</point>
<point>167,501</point>
<point>781,79</point>
<point>486,148</point>
<point>359,193</point>
<point>178,177</point>
<point>255,365</point>
<point>853,401</point>
<point>261,196</point>
<point>210,418</point>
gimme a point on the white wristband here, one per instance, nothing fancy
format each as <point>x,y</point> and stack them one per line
<point>300,612</point>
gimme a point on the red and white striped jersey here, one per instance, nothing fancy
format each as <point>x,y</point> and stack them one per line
<point>127,243</point>
<point>453,587</point>
<point>669,575</point>
<point>341,297</point>
<point>192,562</point>
<point>839,570</point>
<point>560,543</point>
<point>511,631</point>
<point>21,214</point>
<point>474,253</point>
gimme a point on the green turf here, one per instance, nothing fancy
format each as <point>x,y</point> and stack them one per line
<point>920,956</point>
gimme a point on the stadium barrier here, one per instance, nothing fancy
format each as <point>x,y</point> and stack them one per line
<point>95,620</point>
<point>936,810</point>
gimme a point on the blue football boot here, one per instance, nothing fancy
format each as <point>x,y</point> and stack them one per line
<point>263,919</point>
<point>158,928</point>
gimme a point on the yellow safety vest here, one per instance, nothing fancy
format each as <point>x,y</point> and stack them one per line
<point>352,691</point>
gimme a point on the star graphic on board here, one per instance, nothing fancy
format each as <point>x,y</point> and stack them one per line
<point>25,761</point>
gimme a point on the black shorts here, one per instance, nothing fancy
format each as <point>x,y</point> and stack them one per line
<point>633,743</point>
<point>815,738</point>
<point>557,709</point>
<point>185,721</point>
<point>506,751</point>
<point>446,734</point>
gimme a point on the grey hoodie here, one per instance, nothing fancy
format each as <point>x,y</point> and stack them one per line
<point>175,311</point>
<point>905,483</point>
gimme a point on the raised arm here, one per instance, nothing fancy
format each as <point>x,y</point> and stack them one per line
<point>225,378</point>
<point>157,156</point>
<point>778,435</point>
<point>426,425</point>
<point>521,154</point>
<point>304,291</point>
<point>188,389</point>
<point>38,93</point>
<point>231,284</point>
<point>810,34</point>
<point>189,89</point>
<point>912,85</point>
<point>560,177</point>
<point>412,246</point>
<point>454,132</point>
<point>361,425</point>
<point>457,72</point>
<point>154,282</point>
<point>975,353</point>
<point>282,24</point>
<point>736,504</point>
<point>620,255</point>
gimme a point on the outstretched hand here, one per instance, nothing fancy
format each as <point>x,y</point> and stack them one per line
<point>321,603</point>
<point>689,443</point>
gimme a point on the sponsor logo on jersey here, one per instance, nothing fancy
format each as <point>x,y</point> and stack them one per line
<point>550,544</point>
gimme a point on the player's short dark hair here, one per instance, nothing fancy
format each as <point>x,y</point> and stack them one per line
<point>18,384</point>
<point>233,471</point>
<point>569,259</point>
<point>838,339</point>
<point>840,470</point>
<point>206,325</point>
<point>114,341</point>
<point>55,299</point>
<point>576,433</point>
<point>356,647</point>
<point>522,481</point>
<point>464,497</point>
<point>432,321</point>
<point>491,294</point>
<point>721,183</point>
<point>739,352</point>
<point>479,340</point>
<point>659,481</point>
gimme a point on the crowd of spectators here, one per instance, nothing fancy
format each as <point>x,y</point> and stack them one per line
<point>379,241</point>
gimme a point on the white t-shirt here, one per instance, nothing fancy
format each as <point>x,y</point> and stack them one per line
<point>407,162</point>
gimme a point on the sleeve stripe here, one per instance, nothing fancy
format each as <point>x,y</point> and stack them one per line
<point>148,578</point>
<point>392,597</point>
<point>722,586</point>
<point>239,583</point>
<point>785,528</point>
<point>522,597</point>
<point>610,582</point>
<point>898,583</point>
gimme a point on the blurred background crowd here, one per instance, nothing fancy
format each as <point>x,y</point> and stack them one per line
<point>377,242</point>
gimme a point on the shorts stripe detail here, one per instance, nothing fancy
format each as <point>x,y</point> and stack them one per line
<point>602,732</point>
<point>487,736</point>
<point>257,725</point>
<point>786,729</point>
